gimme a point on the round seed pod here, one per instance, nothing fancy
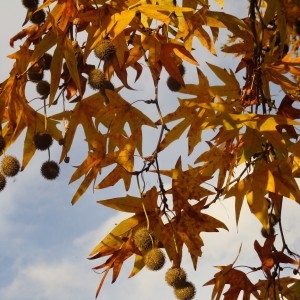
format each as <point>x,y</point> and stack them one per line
<point>42,141</point>
<point>35,73</point>
<point>175,277</point>
<point>143,239</point>
<point>38,17</point>
<point>50,169</point>
<point>2,182</point>
<point>105,50</point>
<point>173,84</point>
<point>154,259</point>
<point>10,166</point>
<point>96,79</point>
<point>45,61</point>
<point>2,143</point>
<point>30,4</point>
<point>185,292</point>
<point>43,88</point>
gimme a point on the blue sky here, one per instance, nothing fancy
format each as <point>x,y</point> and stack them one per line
<point>44,241</point>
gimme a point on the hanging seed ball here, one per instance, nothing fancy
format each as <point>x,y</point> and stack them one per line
<point>175,277</point>
<point>2,143</point>
<point>2,182</point>
<point>105,50</point>
<point>187,291</point>
<point>42,141</point>
<point>10,166</point>
<point>35,73</point>
<point>143,239</point>
<point>173,84</point>
<point>43,88</point>
<point>96,79</point>
<point>50,169</point>
<point>38,17</point>
<point>45,61</point>
<point>30,4</point>
<point>154,259</point>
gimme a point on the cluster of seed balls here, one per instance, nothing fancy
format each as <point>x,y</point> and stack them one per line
<point>36,74</point>
<point>10,165</point>
<point>36,17</point>
<point>105,51</point>
<point>154,259</point>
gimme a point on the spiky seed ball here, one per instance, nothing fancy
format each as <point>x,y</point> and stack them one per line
<point>173,84</point>
<point>187,291</point>
<point>105,50</point>
<point>143,239</point>
<point>38,17</point>
<point>50,169</point>
<point>30,4</point>
<point>2,182</point>
<point>175,276</point>
<point>2,143</point>
<point>45,61</point>
<point>35,73</point>
<point>96,79</point>
<point>42,141</point>
<point>154,259</point>
<point>10,166</point>
<point>43,88</point>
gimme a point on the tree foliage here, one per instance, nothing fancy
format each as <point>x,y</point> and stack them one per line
<point>239,126</point>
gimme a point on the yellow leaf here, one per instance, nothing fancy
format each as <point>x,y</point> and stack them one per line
<point>85,184</point>
<point>48,41</point>
<point>220,2</point>
<point>113,240</point>
<point>134,204</point>
<point>71,61</point>
<point>55,68</point>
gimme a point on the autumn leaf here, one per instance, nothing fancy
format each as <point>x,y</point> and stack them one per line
<point>188,229</point>
<point>116,260</point>
<point>186,185</point>
<point>237,280</point>
<point>270,257</point>
<point>134,204</point>
<point>284,286</point>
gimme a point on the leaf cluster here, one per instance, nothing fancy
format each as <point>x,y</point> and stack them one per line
<point>240,140</point>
